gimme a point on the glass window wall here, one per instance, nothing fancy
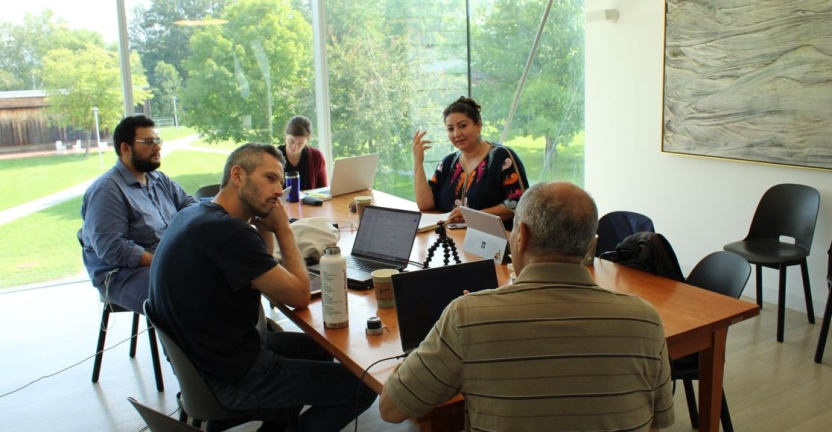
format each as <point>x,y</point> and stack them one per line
<point>218,73</point>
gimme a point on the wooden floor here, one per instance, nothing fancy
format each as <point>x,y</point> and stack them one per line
<point>770,386</point>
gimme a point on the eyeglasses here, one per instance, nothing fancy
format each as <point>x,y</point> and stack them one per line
<point>150,141</point>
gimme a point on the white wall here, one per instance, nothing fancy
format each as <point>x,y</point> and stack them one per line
<point>699,204</point>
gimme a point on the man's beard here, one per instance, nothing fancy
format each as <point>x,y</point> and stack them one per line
<point>248,194</point>
<point>144,165</point>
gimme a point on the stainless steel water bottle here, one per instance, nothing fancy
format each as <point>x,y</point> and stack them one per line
<point>334,288</point>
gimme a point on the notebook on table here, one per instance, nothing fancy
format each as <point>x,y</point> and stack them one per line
<point>486,235</point>
<point>422,295</point>
<point>349,175</point>
<point>384,240</point>
<point>431,220</point>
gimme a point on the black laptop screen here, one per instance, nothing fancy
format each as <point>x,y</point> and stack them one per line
<point>422,295</point>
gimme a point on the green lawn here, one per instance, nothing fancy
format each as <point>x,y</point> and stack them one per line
<point>42,247</point>
<point>26,179</point>
<point>225,145</point>
<point>568,166</point>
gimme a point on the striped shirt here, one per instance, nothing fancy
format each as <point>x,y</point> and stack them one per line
<point>551,352</point>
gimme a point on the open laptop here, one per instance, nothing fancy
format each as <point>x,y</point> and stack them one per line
<point>384,240</point>
<point>486,235</point>
<point>422,295</point>
<point>349,175</point>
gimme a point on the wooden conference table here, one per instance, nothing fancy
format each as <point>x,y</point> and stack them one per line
<point>694,320</point>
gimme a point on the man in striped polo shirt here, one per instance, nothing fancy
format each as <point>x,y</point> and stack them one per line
<point>554,351</point>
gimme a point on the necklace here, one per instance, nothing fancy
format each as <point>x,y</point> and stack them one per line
<point>470,164</point>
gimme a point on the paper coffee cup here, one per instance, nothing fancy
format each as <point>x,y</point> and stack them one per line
<point>361,202</point>
<point>383,286</point>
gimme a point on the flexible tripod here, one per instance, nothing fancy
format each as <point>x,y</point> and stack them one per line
<point>447,243</point>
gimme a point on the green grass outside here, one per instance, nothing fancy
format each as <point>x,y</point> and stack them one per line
<point>172,133</point>
<point>26,179</point>
<point>225,145</point>
<point>568,166</point>
<point>42,246</point>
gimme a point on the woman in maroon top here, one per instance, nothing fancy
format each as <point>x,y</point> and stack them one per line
<point>307,161</point>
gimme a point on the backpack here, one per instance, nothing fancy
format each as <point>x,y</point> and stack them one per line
<point>649,252</point>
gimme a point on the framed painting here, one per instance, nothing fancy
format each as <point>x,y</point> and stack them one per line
<point>749,80</point>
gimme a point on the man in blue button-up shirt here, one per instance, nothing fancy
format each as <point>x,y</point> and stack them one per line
<point>125,213</point>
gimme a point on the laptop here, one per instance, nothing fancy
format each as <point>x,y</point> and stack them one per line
<point>349,175</point>
<point>486,235</point>
<point>384,240</point>
<point>422,295</point>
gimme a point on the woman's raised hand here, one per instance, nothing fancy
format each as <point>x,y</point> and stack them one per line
<point>419,147</point>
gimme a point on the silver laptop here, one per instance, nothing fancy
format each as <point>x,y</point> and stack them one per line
<point>349,175</point>
<point>384,241</point>
<point>422,295</point>
<point>485,236</point>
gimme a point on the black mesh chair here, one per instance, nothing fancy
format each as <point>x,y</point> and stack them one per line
<point>784,210</point>
<point>827,314</point>
<point>207,192</point>
<point>110,307</point>
<point>199,402</point>
<point>615,226</point>
<point>724,273</point>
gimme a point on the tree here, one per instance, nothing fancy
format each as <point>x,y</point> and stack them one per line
<point>168,86</point>
<point>78,80</point>
<point>23,47</point>
<point>551,105</point>
<point>156,38</point>
<point>245,76</point>
<point>381,85</point>
<point>8,81</point>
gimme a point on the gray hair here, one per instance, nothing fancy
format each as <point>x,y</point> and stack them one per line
<point>561,218</point>
<point>249,156</point>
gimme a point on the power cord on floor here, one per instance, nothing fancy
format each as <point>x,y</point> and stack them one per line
<point>361,382</point>
<point>70,367</point>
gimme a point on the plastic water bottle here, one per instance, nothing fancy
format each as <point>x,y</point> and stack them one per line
<point>334,288</point>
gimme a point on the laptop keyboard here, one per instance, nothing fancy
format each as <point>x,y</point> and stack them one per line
<point>365,265</point>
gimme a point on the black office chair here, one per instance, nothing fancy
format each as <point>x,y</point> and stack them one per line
<point>784,210</point>
<point>827,314</point>
<point>207,192</point>
<point>615,226</point>
<point>199,402</point>
<point>724,273</point>
<point>158,422</point>
<point>110,307</point>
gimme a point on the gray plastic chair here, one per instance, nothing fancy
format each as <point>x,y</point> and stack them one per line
<point>199,402</point>
<point>207,192</point>
<point>784,210</point>
<point>724,273</point>
<point>158,422</point>
<point>827,314</point>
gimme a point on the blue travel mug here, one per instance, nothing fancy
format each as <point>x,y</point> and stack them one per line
<point>293,181</point>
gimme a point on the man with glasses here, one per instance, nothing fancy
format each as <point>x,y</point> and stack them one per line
<point>125,212</point>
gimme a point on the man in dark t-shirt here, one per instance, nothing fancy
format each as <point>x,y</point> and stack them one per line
<point>206,280</point>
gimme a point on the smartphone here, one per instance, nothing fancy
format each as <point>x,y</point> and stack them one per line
<point>457,225</point>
